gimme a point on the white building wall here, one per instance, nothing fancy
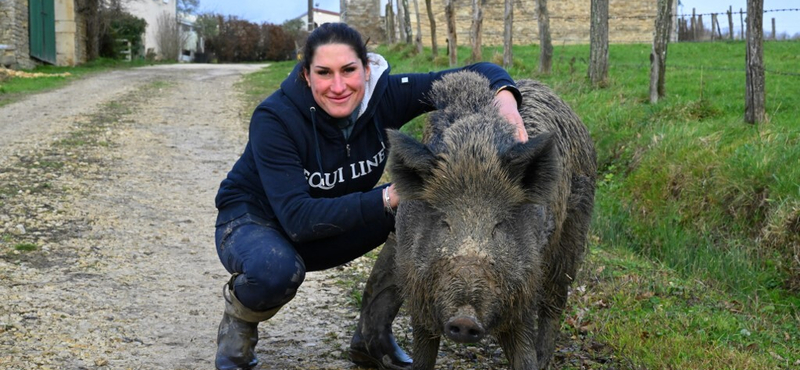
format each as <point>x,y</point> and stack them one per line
<point>150,11</point>
<point>320,18</point>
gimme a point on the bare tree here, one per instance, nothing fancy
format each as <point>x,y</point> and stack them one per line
<point>401,21</point>
<point>169,38</point>
<point>343,10</point>
<point>598,52</point>
<point>545,42</point>
<point>508,22</point>
<point>406,22</point>
<point>452,42</point>
<point>90,9</point>
<point>389,23</point>
<point>432,20</point>
<point>418,37</point>
<point>476,32</point>
<point>658,55</point>
<point>754,111</point>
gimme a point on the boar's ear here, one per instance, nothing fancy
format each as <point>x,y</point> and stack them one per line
<point>410,163</point>
<point>536,163</point>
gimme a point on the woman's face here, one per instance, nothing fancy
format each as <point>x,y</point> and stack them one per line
<point>337,79</point>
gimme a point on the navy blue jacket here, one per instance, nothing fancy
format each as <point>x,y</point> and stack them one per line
<point>278,177</point>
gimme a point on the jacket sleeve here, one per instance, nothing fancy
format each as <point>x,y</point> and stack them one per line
<point>282,176</point>
<point>408,93</point>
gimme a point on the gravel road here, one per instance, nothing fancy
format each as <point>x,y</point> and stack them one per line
<point>111,181</point>
<point>107,256</point>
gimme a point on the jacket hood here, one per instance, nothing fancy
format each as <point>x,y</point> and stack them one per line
<point>298,92</point>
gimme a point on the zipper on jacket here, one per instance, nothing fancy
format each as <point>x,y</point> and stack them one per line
<point>348,150</point>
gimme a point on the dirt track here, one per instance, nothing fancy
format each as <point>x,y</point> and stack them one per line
<point>112,180</point>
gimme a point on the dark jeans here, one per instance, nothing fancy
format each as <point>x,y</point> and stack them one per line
<point>271,267</point>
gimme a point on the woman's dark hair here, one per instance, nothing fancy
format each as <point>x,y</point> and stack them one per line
<point>333,33</point>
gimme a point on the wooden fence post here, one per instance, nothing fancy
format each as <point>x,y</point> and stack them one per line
<point>774,36</point>
<point>713,20</point>
<point>741,20</point>
<point>754,110</point>
<point>730,23</point>
<point>701,28</point>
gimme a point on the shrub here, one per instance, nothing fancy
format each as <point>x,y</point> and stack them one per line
<point>236,40</point>
<point>121,25</point>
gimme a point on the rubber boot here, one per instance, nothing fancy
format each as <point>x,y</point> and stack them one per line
<point>238,332</point>
<point>373,344</point>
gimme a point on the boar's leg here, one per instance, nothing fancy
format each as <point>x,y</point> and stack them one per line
<point>563,265</point>
<point>553,303</point>
<point>518,345</point>
<point>426,347</point>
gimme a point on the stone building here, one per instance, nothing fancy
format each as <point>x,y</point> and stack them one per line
<point>630,21</point>
<point>61,36</point>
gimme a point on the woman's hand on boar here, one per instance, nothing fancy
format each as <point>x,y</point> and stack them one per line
<point>390,199</point>
<point>507,106</point>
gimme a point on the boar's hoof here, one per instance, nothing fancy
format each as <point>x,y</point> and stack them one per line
<point>464,329</point>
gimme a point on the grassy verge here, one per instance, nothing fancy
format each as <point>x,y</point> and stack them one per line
<point>257,86</point>
<point>47,77</point>
<point>695,257</point>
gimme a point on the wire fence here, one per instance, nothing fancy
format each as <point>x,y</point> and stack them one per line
<point>531,15</point>
<point>673,66</point>
<point>559,38</point>
<point>623,28</point>
<point>700,22</point>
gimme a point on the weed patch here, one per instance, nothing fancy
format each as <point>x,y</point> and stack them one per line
<point>25,247</point>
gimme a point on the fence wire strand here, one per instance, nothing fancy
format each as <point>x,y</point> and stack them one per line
<point>530,16</point>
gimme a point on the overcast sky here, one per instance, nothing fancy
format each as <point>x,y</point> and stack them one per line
<point>277,11</point>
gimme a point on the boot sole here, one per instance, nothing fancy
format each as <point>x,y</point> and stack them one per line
<point>365,360</point>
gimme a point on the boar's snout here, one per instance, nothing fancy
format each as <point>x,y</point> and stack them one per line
<point>464,329</point>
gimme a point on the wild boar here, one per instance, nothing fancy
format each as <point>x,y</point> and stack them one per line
<point>491,231</point>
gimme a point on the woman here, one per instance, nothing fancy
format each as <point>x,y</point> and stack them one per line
<point>302,197</point>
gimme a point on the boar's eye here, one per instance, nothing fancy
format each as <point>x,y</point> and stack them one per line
<point>497,228</point>
<point>444,224</point>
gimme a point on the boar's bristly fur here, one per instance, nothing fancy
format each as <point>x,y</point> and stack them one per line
<point>490,231</point>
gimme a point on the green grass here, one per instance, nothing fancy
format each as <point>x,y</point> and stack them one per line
<point>257,86</point>
<point>25,247</point>
<point>695,260</point>
<point>15,88</point>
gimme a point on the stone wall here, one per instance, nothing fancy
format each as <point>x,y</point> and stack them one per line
<point>69,26</point>
<point>630,21</point>
<point>365,16</point>
<point>14,44</point>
